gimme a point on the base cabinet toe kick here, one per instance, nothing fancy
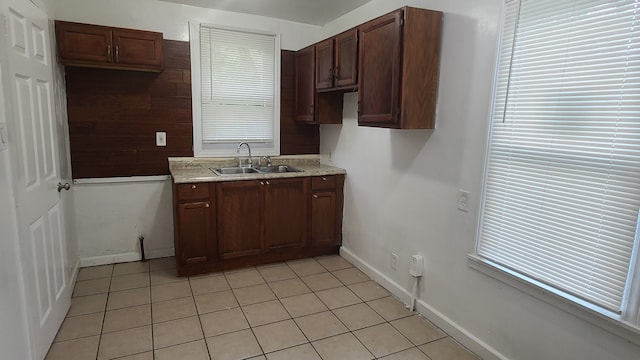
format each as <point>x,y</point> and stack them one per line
<point>233,224</point>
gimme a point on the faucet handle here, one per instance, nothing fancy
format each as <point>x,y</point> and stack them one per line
<point>267,159</point>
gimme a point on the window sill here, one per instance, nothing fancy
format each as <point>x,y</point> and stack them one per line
<point>605,320</point>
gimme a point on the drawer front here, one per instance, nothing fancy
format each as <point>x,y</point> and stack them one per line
<point>193,191</point>
<point>323,182</point>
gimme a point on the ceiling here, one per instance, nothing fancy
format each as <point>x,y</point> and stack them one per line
<point>314,12</point>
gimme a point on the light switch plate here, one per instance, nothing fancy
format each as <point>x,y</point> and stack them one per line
<point>161,138</point>
<point>4,142</point>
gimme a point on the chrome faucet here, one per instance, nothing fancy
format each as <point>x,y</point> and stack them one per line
<point>249,163</point>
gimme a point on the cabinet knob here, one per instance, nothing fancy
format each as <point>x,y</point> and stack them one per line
<point>261,182</point>
<point>193,186</point>
<point>109,58</point>
<point>315,196</point>
<point>267,183</point>
<point>206,205</point>
<point>324,178</point>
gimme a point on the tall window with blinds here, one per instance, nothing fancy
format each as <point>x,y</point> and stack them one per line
<point>562,187</point>
<point>238,89</point>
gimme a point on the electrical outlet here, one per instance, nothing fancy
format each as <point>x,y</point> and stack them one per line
<point>463,200</point>
<point>415,267</point>
<point>161,138</point>
<point>394,262</point>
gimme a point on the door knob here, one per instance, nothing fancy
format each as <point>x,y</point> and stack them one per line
<point>65,186</point>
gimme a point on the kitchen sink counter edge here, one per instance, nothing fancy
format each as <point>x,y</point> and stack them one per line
<point>194,170</point>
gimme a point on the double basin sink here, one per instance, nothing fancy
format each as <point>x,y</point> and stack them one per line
<point>236,170</point>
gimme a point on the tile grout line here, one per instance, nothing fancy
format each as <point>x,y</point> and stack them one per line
<point>245,316</point>
<point>204,336</point>
<point>153,343</point>
<point>104,314</point>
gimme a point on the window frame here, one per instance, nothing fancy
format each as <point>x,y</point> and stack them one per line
<point>625,325</point>
<point>227,149</point>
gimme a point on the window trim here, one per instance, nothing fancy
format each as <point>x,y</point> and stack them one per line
<point>202,149</point>
<point>605,320</point>
<point>614,323</point>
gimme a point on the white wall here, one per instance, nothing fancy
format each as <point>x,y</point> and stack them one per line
<point>110,217</point>
<point>401,196</point>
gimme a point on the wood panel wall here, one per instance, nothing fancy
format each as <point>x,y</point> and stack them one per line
<point>114,115</point>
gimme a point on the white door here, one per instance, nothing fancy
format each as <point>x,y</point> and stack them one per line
<point>36,170</point>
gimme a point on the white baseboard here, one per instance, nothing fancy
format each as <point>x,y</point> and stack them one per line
<point>479,347</point>
<point>124,257</point>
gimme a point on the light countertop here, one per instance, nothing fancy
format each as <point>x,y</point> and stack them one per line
<point>194,170</point>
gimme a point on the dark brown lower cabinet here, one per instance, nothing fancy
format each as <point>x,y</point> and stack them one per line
<point>194,224</point>
<point>232,224</point>
<point>323,218</point>
<point>239,217</point>
<point>326,211</point>
<point>285,213</point>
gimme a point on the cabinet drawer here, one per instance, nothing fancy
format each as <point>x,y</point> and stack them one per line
<point>323,182</point>
<point>193,191</point>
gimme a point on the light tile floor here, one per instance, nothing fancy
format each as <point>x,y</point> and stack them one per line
<point>322,308</point>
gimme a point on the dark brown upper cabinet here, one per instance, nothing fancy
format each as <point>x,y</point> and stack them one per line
<point>399,58</point>
<point>312,107</point>
<point>336,62</point>
<point>305,87</point>
<point>106,47</point>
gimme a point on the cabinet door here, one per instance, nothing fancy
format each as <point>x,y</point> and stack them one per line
<point>346,60</point>
<point>133,47</point>
<point>83,43</point>
<point>197,242</point>
<point>285,212</point>
<point>238,214</point>
<point>379,70</point>
<point>324,65</point>
<point>323,219</point>
<point>305,85</point>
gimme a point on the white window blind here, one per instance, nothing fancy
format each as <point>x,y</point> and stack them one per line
<point>237,70</point>
<point>562,188</point>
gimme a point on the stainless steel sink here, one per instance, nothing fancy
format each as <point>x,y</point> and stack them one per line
<point>277,169</point>
<point>234,170</point>
<point>254,170</point>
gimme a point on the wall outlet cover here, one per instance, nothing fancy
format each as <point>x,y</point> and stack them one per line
<point>161,138</point>
<point>463,200</point>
